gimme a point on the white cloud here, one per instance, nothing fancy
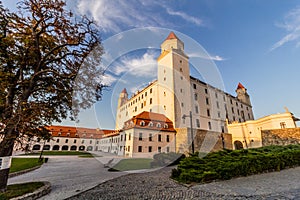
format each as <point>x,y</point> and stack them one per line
<point>206,56</point>
<point>292,25</point>
<point>186,17</point>
<point>144,66</point>
<point>117,15</point>
<point>108,79</point>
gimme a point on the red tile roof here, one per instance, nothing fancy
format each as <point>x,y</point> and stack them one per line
<point>77,132</point>
<point>172,36</point>
<point>124,90</point>
<point>150,120</point>
<point>240,86</point>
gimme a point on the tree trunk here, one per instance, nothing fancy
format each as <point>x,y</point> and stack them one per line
<point>6,149</point>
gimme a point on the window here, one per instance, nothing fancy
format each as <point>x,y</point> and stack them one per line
<point>68,134</point>
<point>140,136</point>
<point>67,141</point>
<point>150,90</point>
<point>180,69</point>
<point>159,149</point>
<point>195,96</point>
<point>168,149</point>
<point>208,113</point>
<point>207,101</point>
<point>206,92</point>
<point>219,114</point>
<point>195,86</point>
<point>38,139</point>
<point>182,104</point>
<point>142,123</point>
<point>82,142</point>
<point>282,125</point>
<point>91,141</point>
<point>135,109</point>
<point>218,106</point>
<point>196,109</point>
<point>57,140</point>
<point>159,137</point>
<point>165,108</point>
<point>230,101</point>
<point>150,124</point>
<point>158,125</point>
<point>75,141</point>
<point>129,137</point>
<point>238,111</point>
<point>145,94</point>
<point>198,123</point>
<point>128,148</point>
<point>121,137</point>
<point>142,105</point>
<point>150,100</point>
<point>150,137</point>
<point>166,126</point>
<point>181,90</point>
<point>232,109</point>
<point>140,149</point>
<point>209,125</point>
<point>164,93</point>
<point>168,138</point>
<point>149,148</point>
<point>125,136</point>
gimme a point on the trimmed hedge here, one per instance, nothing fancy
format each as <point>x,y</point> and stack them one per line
<point>227,164</point>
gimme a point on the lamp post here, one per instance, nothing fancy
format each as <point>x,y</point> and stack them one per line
<point>192,135</point>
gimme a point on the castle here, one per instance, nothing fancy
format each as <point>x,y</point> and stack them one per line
<point>175,93</point>
<point>154,119</point>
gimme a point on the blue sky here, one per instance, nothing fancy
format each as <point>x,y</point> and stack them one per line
<point>254,42</point>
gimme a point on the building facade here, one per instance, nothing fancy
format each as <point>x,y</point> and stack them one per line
<point>176,93</point>
<point>249,134</point>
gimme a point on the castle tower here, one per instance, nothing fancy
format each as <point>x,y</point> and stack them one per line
<point>174,96</point>
<point>123,97</point>
<point>242,94</point>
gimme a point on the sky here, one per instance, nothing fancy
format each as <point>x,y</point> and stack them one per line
<point>254,42</point>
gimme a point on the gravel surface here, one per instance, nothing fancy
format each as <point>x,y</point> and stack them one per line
<point>284,185</point>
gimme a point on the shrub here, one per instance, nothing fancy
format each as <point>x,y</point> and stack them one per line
<point>227,164</point>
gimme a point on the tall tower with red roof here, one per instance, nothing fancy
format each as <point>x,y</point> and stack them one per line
<point>242,94</point>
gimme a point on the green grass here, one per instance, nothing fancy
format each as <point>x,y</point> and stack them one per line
<point>132,164</point>
<point>61,153</point>
<point>16,190</point>
<point>224,165</point>
<point>19,164</point>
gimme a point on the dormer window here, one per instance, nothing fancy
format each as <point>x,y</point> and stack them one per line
<point>166,126</point>
<point>92,136</point>
<point>158,125</point>
<point>59,133</point>
<point>68,134</point>
<point>83,135</point>
<point>142,123</point>
<point>150,124</point>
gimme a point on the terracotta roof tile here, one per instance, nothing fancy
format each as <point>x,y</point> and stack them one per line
<point>240,86</point>
<point>172,36</point>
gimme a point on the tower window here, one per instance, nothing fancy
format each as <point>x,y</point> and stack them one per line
<point>181,69</point>
<point>206,91</point>
<point>208,112</point>
<point>207,101</point>
<point>150,100</point>
<point>195,86</point>
<point>150,90</point>
<point>198,123</point>
<point>209,125</point>
<point>196,109</point>
<point>196,96</point>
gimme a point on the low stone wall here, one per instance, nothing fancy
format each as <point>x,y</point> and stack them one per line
<point>281,136</point>
<point>204,141</point>
<point>23,171</point>
<point>42,191</point>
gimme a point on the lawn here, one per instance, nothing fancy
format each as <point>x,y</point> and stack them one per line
<point>61,153</point>
<point>132,164</point>
<point>20,189</point>
<point>227,164</point>
<point>19,164</point>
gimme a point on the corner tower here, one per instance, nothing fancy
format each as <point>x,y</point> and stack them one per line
<point>242,94</point>
<point>173,78</point>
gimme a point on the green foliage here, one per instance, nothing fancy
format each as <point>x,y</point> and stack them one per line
<point>19,164</point>
<point>132,164</point>
<point>166,159</point>
<point>227,164</point>
<point>16,190</point>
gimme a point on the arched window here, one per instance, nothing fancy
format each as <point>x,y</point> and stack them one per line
<point>46,147</point>
<point>142,123</point>
<point>150,124</point>
<point>158,125</point>
<point>55,147</point>
<point>65,148</point>
<point>166,126</point>
<point>73,148</point>
<point>36,147</point>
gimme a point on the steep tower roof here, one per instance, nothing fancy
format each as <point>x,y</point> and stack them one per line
<point>172,36</point>
<point>124,91</point>
<point>240,86</point>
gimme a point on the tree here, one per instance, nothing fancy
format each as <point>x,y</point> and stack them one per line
<point>49,61</point>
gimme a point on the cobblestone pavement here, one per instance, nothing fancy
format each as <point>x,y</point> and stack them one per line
<point>284,185</point>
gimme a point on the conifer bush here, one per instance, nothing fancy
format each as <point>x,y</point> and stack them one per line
<point>226,164</point>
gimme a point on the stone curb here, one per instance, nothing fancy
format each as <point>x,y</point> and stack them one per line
<point>23,171</point>
<point>46,189</point>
